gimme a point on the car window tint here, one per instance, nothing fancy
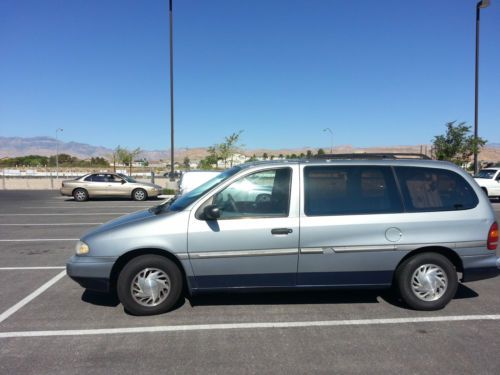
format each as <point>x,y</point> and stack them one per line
<point>486,173</point>
<point>89,178</point>
<point>261,194</point>
<point>113,178</point>
<point>432,189</point>
<point>98,178</point>
<point>350,190</point>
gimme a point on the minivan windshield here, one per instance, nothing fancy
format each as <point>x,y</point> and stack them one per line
<point>185,200</point>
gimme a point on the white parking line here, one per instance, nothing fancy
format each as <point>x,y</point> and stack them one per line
<point>72,214</point>
<point>31,296</point>
<point>92,206</point>
<point>50,224</point>
<point>41,239</point>
<point>31,268</point>
<point>213,327</point>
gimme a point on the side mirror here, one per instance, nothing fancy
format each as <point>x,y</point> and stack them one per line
<point>211,212</point>
<point>123,181</point>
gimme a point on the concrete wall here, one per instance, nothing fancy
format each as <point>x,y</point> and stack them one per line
<point>46,183</point>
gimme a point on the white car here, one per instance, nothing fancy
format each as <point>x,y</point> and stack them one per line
<point>489,180</point>
<point>192,179</point>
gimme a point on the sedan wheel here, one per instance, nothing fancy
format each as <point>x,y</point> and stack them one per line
<point>139,195</point>
<point>80,195</point>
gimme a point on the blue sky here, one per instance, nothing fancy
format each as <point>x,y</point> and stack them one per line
<point>375,72</point>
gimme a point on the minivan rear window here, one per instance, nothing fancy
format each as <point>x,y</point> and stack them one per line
<point>432,189</point>
<point>350,190</point>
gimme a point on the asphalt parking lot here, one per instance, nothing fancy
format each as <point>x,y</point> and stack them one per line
<point>49,324</point>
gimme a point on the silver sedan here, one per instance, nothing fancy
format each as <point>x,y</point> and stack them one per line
<point>109,185</point>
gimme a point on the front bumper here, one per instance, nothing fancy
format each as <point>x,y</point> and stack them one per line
<point>92,273</point>
<point>480,267</point>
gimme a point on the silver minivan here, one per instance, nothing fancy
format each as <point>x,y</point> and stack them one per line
<point>418,225</point>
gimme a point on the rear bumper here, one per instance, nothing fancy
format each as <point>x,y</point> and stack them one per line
<point>480,267</point>
<point>66,191</point>
<point>92,273</point>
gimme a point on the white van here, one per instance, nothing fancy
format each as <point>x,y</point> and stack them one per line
<point>193,179</point>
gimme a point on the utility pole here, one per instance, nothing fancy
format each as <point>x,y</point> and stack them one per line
<point>479,6</point>
<point>57,152</point>
<point>331,136</point>
<point>171,93</point>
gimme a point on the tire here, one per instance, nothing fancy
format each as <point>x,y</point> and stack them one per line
<point>139,195</point>
<point>412,278</point>
<point>160,273</point>
<point>80,195</point>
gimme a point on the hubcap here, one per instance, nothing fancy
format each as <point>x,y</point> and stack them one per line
<point>80,195</point>
<point>429,282</point>
<point>150,287</point>
<point>139,195</point>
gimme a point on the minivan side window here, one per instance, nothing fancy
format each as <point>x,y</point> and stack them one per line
<point>262,194</point>
<point>432,189</point>
<point>350,190</point>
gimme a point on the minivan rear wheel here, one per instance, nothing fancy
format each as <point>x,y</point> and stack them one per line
<point>427,281</point>
<point>149,285</point>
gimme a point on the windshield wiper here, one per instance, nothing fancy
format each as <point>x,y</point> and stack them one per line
<point>159,208</point>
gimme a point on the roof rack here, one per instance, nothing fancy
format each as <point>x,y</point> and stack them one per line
<point>375,155</point>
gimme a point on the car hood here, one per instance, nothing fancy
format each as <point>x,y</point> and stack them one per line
<point>147,184</point>
<point>120,222</point>
<point>483,180</point>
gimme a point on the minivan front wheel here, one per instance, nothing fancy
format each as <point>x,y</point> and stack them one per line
<point>149,285</point>
<point>427,281</point>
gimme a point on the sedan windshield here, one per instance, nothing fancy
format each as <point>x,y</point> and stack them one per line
<point>126,178</point>
<point>185,200</point>
<point>486,173</point>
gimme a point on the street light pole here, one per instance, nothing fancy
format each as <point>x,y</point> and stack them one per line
<point>331,141</point>
<point>171,93</point>
<point>479,5</point>
<point>57,153</point>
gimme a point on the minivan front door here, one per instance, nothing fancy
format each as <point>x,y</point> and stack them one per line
<point>254,242</point>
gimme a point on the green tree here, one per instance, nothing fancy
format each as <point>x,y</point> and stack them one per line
<point>309,154</point>
<point>186,163</point>
<point>27,161</point>
<point>265,156</point>
<point>457,145</point>
<point>126,156</point>
<point>229,147</point>
<point>320,152</point>
<point>99,162</point>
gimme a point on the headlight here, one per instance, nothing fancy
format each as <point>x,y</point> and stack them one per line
<point>81,248</point>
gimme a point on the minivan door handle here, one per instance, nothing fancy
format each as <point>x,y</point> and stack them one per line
<point>281,231</point>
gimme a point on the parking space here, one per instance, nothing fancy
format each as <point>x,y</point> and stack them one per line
<point>73,331</point>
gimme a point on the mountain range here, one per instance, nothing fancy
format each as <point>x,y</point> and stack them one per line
<point>46,146</point>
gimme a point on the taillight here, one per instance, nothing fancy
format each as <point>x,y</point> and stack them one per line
<point>493,237</point>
